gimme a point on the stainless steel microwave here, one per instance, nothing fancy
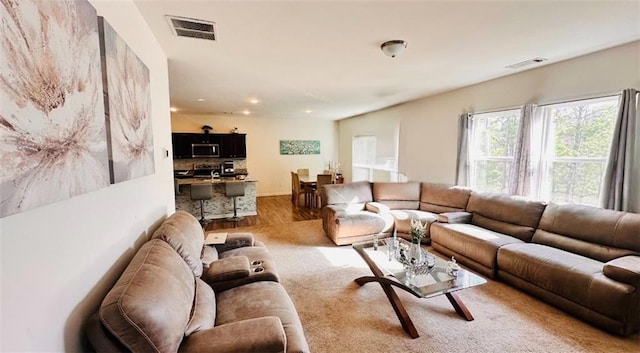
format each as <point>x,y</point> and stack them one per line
<point>204,150</point>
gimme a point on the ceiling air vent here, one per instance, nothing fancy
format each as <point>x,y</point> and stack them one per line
<point>526,63</point>
<point>192,28</point>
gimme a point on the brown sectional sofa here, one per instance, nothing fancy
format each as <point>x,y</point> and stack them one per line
<point>496,220</point>
<point>357,211</point>
<point>177,294</point>
<point>582,259</point>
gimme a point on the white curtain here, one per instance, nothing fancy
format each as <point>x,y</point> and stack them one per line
<point>619,190</point>
<point>521,173</point>
<point>464,135</point>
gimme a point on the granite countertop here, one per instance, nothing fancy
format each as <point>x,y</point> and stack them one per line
<point>189,181</point>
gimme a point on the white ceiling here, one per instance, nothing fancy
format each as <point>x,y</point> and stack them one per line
<point>325,55</point>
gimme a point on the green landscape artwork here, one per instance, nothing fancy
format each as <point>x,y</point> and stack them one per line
<point>299,147</point>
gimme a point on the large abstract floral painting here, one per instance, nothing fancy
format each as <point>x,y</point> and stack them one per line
<point>52,127</point>
<point>128,108</point>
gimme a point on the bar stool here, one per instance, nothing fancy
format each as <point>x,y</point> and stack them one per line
<point>234,189</point>
<point>201,192</point>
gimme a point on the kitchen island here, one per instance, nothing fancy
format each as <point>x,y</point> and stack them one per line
<point>220,206</point>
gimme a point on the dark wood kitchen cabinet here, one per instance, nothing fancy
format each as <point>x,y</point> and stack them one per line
<point>233,146</point>
<point>206,138</point>
<point>182,141</point>
<point>181,145</point>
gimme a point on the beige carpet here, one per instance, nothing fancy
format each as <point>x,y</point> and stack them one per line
<point>340,316</point>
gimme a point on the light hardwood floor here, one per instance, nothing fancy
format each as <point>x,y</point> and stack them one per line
<point>271,210</point>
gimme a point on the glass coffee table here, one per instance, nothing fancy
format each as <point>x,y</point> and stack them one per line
<point>389,273</point>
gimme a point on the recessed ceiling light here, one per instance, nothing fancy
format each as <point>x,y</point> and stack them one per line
<point>254,101</point>
<point>246,112</point>
<point>173,109</point>
<point>200,99</point>
<point>308,111</point>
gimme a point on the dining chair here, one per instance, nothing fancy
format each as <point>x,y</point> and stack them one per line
<point>294,190</point>
<point>298,190</point>
<point>303,172</point>
<point>322,179</point>
<point>333,175</point>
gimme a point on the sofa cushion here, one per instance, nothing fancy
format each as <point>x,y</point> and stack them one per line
<point>402,219</point>
<point>364,223</point>
<point>438,198</point>
<point>593,232</point>
<point>575,277</point>
<point>260,335</point>
<point>454,217</point>
<point>184,233</point>
<point>261,299</point>
<point>511,215</point>
<point>204,309</point>
<point>352,193</point>
<point>397,195</point>
<point>150,305</point>
<point>471,241</point>
<point>209,255</point>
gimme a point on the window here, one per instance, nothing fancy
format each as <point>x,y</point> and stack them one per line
<point>367,165</point>
<point>363,152</point>
<point>576,137</point>
<point>493,141</point>
<point>569,148</point>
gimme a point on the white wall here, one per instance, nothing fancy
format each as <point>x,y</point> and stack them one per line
<point>264,161</point>
<point>428,127</point>
<point>58,261</point>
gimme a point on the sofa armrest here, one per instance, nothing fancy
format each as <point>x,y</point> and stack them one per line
<point>624,269</point>
<point>377,207</point>
<point>334,211</point>
<point>264,334</point>
<point>454,217</point>
<point>236,240</point>
<point>226,269</point>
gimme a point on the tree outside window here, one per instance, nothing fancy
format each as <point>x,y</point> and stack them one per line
<point>578,136</point>
<point>492,149</point>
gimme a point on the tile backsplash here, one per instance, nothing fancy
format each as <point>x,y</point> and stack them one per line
<point>187,164</point>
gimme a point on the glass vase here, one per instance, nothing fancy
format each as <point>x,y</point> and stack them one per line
<point>415,253</point>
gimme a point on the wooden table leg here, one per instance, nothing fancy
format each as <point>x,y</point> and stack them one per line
<point>461,309</point>
<point>392,296</point>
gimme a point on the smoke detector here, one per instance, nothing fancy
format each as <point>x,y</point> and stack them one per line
<point>192,28</point>
<point>526,63</point>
